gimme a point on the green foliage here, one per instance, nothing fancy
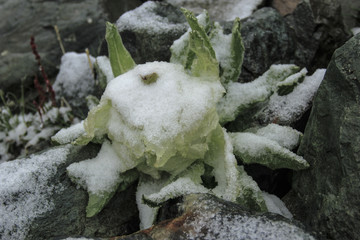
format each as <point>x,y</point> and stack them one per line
<point>120,59</point>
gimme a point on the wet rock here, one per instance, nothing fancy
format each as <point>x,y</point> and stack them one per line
<point>204,216</point>
<point>38,200</point>
<point>327,195</point>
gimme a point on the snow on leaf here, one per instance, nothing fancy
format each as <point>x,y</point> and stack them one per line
<point>251,148</point>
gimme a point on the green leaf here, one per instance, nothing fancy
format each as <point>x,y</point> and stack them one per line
<point>195,26</point>
<point>204,65</point>
<point>98,201</point>
<point>251,148</point>
<point>287,86</point>
<point>120,59</point>
<point>201,58</point>
<point>233,182</point>
<point>237,53</point>
<point>95,123</point>
<point>180,50</point>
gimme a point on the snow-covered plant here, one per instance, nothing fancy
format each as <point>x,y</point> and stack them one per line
<point>22,133</point>
<point>160,123</point>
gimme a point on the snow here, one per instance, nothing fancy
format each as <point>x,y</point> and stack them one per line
<point>164,109</point>
<point>28,130</point>
<point>287,109</point>
<point>285,136</point>
<point>68,135</point>
<point>105,66</point>
<point>147,18</point>
<point>258,149</point>
<point>226,10</point>
<point>147,214</point>
<point>221,44</point>
<point>179,187</point>
<point>25,192</point>
<point>275,205</point>
<point>75,79</point>
<point>100,174</point>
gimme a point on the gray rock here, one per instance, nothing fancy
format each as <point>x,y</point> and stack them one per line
<point>38,200</point>
<point>221,10</point>
<point>149,30</point>
<point>81,25</point>
<point>327,195</point>
<point>330,30</point>
<point>204,216</point>
<point>267,40</point>
<point>351,12</point>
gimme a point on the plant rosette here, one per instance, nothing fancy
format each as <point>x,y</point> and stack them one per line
<point>158,123</point>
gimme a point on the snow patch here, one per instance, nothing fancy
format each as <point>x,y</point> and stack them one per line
<point>146,18</point>
<point>75,79</point>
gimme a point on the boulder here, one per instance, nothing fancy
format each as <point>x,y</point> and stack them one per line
<point>330,30</point>
<point>38,200</point>
<point>225,10</point>
<point>81,25</point>
<point>204,216</point>
<point>267,40</point>
<point>149,30</point>
<point>327,195</point>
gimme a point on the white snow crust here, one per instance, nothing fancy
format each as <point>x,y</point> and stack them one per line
<point>145,18</point>
<point>163,109</point>
<point>100,174</point>
<point>287,109</point>
<point>68,135</point>
<point>75,77</point>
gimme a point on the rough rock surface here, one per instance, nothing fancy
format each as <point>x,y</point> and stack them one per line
<point>267,40</point>
<point>330,30</point>
<point>81,25</point>
<point>204,216</point>
<point>149,30</point>
<point>285,7</point>
<point>38,200</point>
<point>327,195</point>
<point>224,10</point>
